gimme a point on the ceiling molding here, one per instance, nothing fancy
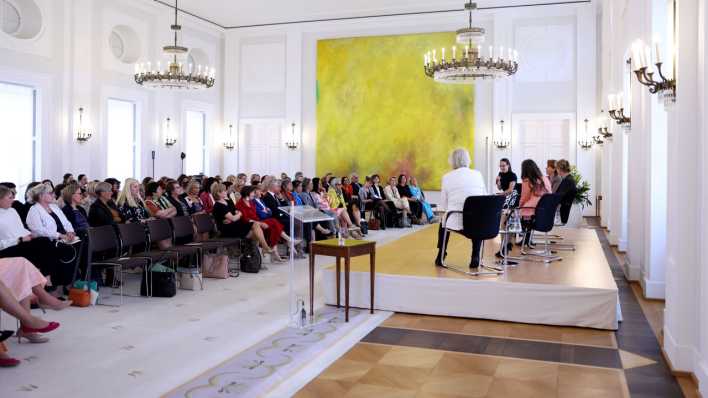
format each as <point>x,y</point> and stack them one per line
<point>389,15</point>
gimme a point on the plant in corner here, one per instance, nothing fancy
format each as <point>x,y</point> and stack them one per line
<point>582,193</point>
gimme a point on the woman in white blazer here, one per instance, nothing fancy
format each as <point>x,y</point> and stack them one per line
<point>456,186</point>
<point>45,218</point>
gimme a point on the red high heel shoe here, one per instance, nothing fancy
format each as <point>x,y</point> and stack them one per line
<point>46,329</point>
<point>9,362</point>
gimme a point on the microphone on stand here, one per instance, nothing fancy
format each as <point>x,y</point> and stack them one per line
<point>182,155</point>
<point>153,163</point>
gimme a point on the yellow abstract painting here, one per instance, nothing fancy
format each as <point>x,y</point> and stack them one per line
<point>377,112</point>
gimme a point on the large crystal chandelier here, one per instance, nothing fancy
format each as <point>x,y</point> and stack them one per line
<point>469,63</point>
<point>173,74</point>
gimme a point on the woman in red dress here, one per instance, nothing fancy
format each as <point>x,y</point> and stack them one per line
<point>272,229</point>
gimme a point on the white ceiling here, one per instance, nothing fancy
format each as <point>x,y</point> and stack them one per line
<point>235,13</point>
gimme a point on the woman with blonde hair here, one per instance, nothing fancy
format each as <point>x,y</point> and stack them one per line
<point>130,204</point>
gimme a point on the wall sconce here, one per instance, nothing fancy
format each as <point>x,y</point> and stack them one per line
<point>616,110</point>
<point>292,143</point>
<point>83,133</point>
<point>501,142</point>
<point>229,142</point>
<point>603,129</point>
<point>586,142</point>
<point>170,138</point>
<point>641,57</point>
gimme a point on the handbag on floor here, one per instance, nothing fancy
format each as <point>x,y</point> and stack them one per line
<point>364,227</point>
<point>215,266</point>
<point>250,260</point>
<point>190,281</point>
<point>374,224</point>
<point>162,280</point>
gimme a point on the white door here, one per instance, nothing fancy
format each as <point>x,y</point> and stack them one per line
<point>263,148</point>
<point>541,140</point>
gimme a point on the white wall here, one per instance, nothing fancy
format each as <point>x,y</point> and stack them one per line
<point>667,157</point>
<point>71,65</point>
<point>284,90</point>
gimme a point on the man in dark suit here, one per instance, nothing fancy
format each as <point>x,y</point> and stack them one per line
<point>271,200</point>
<point>567,189</point>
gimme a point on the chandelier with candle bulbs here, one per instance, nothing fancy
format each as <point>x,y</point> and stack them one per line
<point>173,73</point>
<point>468,63</point>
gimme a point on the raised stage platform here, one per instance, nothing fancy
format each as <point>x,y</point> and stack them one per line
<point>578,291</point>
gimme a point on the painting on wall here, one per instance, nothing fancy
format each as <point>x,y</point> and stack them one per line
<point>377,112</point>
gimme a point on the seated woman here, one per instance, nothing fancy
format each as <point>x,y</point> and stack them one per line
<point>130,204</point>
<point>320,197</point>
<point>326,228</point>
<point>552,174</point>
<point>457,185</point>
<point>174,197</point>
<point>30,326</point>
<point>73,211</point>
<point>233,193</point>
<point>506,179</point>
<point>89,196</point>
<point>194,203</point>
<point>104,211</point>
<point>405,192</point>
<point>155,206</point>
<point>351,197</point>
<point>46,220</point>
<point>228,219</point>
<point>420,197</point>
<point>392,195</point>
<point>338,204</point>
<point>286,191</point>
<point>272,229</point>
<point>533,185</point>
<point>369,201</point>
<point>206,196</point>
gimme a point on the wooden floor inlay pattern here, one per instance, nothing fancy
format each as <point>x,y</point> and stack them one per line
<point>428,356</point>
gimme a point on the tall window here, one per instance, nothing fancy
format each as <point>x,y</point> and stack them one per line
<point>195,141</point>
<point>122,139</point>
<point>18,134</point>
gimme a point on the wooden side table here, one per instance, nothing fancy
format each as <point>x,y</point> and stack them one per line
<point>351,248</point>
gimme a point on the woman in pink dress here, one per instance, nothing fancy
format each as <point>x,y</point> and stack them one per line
<point>534,185</point>
<point>26,284</point>
<point>30,325</point>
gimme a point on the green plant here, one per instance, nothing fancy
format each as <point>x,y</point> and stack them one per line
<point>582,193</point>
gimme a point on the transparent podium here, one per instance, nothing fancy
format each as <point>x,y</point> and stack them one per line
<point>302,220</point>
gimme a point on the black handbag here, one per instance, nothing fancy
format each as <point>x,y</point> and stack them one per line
<point>162,284</point>
<point>250,260</point>
<point>364,226</point>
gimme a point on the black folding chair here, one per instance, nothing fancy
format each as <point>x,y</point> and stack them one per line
<point>481,216</point>
<point>103,240</point>
<point>543,221</point>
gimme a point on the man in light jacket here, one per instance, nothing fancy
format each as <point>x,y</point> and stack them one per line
<point>457,185</point>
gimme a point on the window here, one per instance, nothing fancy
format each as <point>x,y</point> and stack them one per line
<point>18,134</point>
<point>122,139</point>
<point>9,17</point>
<point>195,142</point>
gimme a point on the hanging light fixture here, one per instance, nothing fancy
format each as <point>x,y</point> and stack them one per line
<point>470,63</point>
<point>83,133</point>
<point>292,143</point>
<point>174,75</point>
<point>586,142</point>
<point>229,142</point>
<point>170,138</point>
<point>501,142</point>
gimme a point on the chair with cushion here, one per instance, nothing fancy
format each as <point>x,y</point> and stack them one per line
<point>104,241</point>
<point>543,221</point>
<point>481,216</point>
<point>205,225</point>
